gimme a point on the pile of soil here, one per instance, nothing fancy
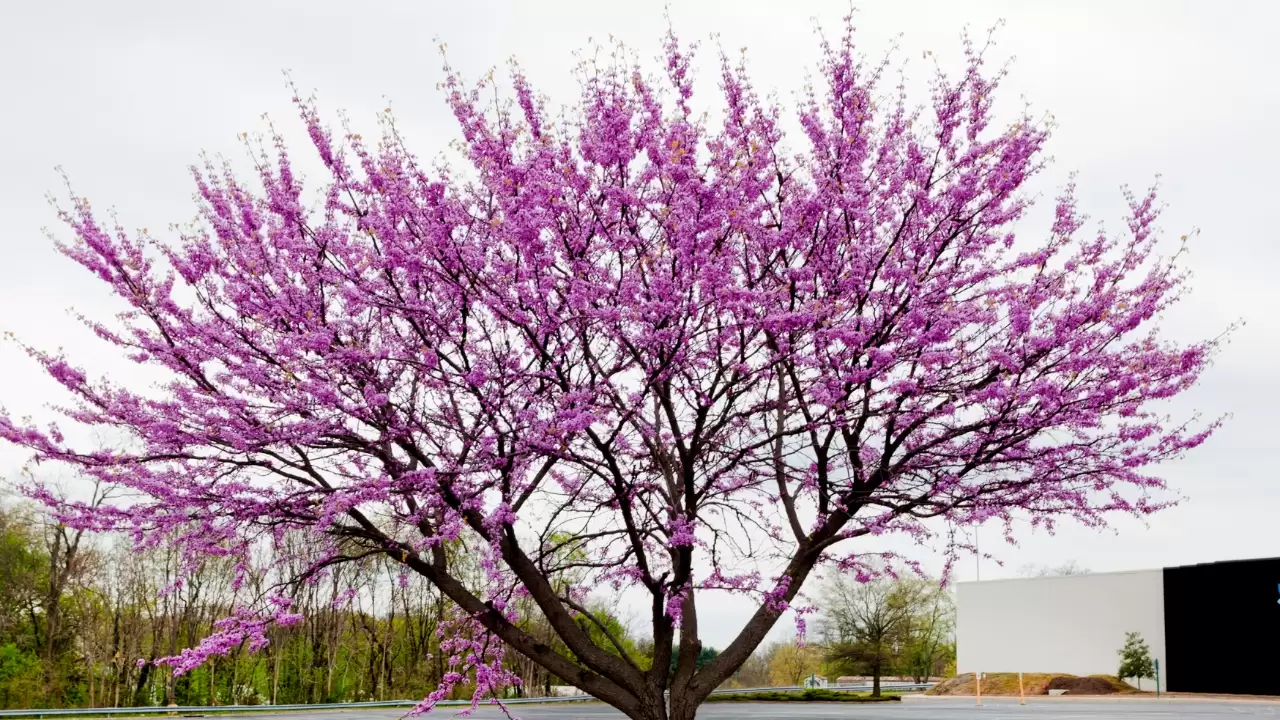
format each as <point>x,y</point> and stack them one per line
<point>993,684</point>
<point>951,686</point>
<point>1006,684</point>
<point>1081,685</point>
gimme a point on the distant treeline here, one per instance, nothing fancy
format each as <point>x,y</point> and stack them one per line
<point>78,612</point>
<point>83,617</point>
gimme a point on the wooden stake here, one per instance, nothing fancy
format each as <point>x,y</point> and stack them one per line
<point>1022,698</point>
<point>978,679</point>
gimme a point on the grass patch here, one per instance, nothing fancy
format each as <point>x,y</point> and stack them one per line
<point>814,695</point>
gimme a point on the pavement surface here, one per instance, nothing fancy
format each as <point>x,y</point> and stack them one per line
<point>910,709</point>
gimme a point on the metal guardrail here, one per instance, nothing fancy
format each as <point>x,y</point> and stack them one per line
<point>832,686</point>
<point>206,709</point>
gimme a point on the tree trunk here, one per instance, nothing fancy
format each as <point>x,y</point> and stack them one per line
<point>275,675</point>
<point>140,692</point>
<point>439,652</point>
<point>53,597</point>
<point>170,686</point>
<point>117,667</point>
<point>678,711</point>
<point>875,676</point>
<point>662,705</point>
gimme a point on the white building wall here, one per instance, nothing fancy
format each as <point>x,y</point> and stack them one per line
<point>1073,624</point>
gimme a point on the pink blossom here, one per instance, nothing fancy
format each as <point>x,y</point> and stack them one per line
<point>632,349</point>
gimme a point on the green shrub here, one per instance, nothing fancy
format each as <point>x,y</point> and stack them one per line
<point>812,695</point>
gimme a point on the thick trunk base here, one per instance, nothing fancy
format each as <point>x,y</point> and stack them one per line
<point>682,713</point>
<point>679,711</point>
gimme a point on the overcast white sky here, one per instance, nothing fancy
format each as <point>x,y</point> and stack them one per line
<point>125,94</point>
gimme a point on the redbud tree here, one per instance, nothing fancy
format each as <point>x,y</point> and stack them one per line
<point>630,345</point>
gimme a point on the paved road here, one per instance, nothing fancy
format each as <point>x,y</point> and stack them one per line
<point>911,709</point>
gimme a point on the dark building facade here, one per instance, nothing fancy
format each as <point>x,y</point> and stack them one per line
<point>1222,627</point>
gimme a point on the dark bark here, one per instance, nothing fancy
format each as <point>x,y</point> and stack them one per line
<point>876,669</point>
<point>140,690</point>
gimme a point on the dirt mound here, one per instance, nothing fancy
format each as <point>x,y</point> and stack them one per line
<point>951,686</point>
<point>1032,684</point>
<point>1082,685</point>
<point>994,684</point>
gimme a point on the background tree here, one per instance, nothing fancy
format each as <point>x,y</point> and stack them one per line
<point>790,663</point>
<point>366,635</point>
<point>929,645</point>
<point>714,360</point>
<point>704,657</point>
<point>1135,659</point>
<point>754,672</point>
<point>22,565</point>
<point>872,621</point>
<point>1067,569</point>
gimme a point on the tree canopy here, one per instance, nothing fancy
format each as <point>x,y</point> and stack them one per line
<point>888,622</point>
<point>1135,658</point>
<point>628,345</point>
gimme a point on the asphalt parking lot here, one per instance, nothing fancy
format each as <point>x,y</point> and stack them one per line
<point>910,709</point>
